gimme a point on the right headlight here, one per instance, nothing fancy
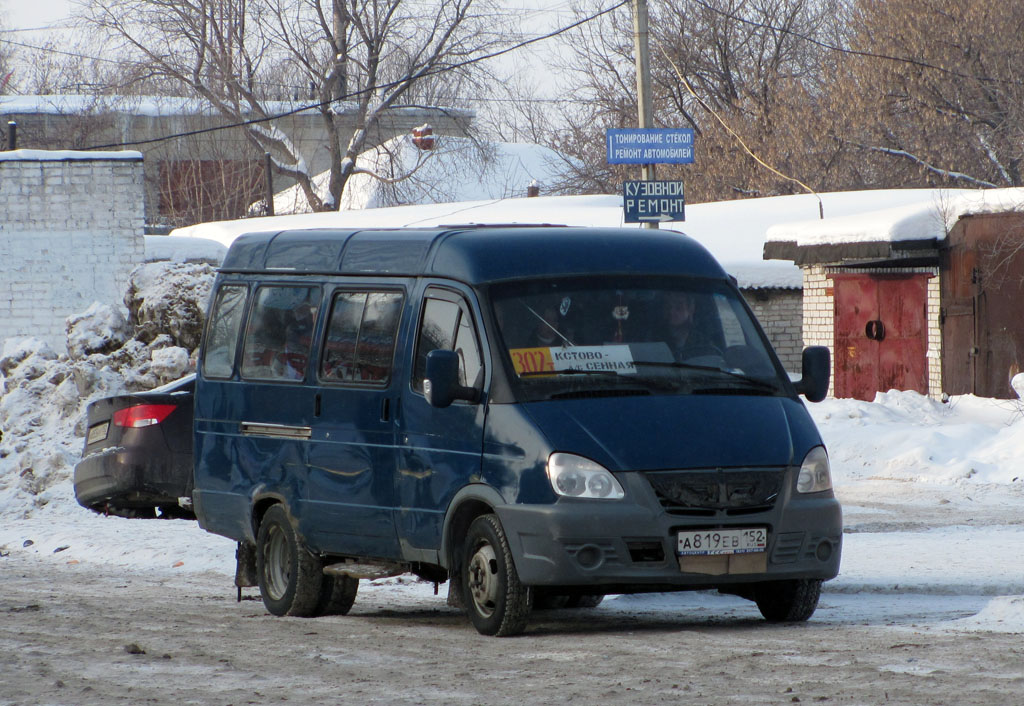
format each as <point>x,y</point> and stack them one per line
<point>815,475</point>
<point>578,477</point>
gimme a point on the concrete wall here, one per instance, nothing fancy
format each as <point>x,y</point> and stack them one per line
<point>780,312</point>
<point>71,231</point>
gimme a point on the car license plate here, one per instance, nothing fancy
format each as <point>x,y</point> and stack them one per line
<point>722,541</point>
<point>98,433</point>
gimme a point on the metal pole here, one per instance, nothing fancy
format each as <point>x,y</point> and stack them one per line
<point>268,179</point>
<point>12,135</point>
<point>643,82</point>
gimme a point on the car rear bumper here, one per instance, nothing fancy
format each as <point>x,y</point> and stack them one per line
<point>130,479</point>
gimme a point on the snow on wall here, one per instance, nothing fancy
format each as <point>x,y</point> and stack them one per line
<point>71,229</point>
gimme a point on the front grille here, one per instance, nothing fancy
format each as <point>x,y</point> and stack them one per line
<point>719,492</point>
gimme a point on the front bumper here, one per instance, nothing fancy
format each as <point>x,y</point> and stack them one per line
<point>630,545</point>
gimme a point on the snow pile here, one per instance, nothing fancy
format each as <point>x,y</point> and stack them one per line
<point>1001,614</point>
<point>1017,383</point>
<point>907,437</point>
<point>43,397</point>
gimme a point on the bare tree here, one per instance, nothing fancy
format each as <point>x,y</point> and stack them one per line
<point>935,93</point>
<point>6,66</point>
<point>739,72</point>
<point>237,54</point>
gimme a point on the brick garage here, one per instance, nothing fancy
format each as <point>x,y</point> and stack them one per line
<point>71,231</point>
<point>925,297</point>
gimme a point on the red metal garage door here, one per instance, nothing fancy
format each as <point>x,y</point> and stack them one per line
<point>881,334</point>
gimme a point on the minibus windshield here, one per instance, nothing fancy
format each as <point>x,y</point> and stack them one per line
<point>630,335</point>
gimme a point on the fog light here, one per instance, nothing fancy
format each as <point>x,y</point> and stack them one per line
<point>589,556</point>
<point>824,550</point>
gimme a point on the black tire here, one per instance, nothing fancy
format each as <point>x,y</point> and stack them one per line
<point>495,600</point>
<point>788,601</point>
<point>337,594</point>
<point>584,601</point>
<point>291,579</point>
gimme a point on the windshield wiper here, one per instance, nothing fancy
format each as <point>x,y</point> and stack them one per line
<point>569,371</point>
<point>758,383</point>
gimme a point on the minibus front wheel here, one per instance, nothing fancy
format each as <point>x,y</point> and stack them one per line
<point>787,601</point>
<point>497,602</point>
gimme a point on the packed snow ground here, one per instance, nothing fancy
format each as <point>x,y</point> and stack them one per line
<point>933,493</point>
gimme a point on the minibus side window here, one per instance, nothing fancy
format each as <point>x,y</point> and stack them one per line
<point>360,341</point>
<point>445,325</point>
<point>279,336</point>
<point>469,353</point>
<point>222,335</point>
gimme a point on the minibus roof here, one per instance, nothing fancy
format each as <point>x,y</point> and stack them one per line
<point>472,254</point>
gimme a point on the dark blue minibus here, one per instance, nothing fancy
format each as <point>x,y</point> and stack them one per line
<point>539,416</point>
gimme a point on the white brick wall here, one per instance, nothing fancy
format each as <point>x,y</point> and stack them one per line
<point>780,312</point>
<point>819,312</point>
<point>71,230</point>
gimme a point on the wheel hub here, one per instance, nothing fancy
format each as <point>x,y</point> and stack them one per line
<point>483,580</point>
<point>276,564</point>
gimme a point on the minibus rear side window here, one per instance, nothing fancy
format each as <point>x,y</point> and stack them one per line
<point>222,334</point>
<point>279,336</point>
<point>360,342</point>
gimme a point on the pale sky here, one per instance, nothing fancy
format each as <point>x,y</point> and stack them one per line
<point>26,14</point>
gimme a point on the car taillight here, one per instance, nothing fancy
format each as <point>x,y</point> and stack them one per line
<point>143,415</point>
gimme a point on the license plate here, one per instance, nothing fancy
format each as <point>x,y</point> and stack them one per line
<point>722,541</point>
<point>98,433</point>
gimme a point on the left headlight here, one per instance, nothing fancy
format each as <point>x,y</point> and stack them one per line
<point>815,475</point>
<point>578,477</point>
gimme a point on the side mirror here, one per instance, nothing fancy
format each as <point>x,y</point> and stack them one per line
<point>441,385</point>
<point>817,369</point>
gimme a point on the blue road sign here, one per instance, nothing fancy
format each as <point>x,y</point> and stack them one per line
<point>644,201</point>
<point>650,146</point>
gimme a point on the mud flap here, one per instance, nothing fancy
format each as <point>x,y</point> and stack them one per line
<point>245,566</point>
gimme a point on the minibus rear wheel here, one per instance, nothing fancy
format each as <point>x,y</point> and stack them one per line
<point>497,602</point>
<point>337,594</point>
<point>791,601</point>
<point>291,579</point>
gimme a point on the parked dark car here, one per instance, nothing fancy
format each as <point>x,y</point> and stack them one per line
<point>137,460</point>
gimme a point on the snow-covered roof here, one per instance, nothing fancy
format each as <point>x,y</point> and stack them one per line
<point>157,106</point>
<point>152,106</point>
<point>456,169</point>
<point>177,249</point>
<point>67,155</point>
<point>734,231</point>
<point>929,216</point>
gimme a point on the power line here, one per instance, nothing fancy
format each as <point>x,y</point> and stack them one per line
<point>51,50</point>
